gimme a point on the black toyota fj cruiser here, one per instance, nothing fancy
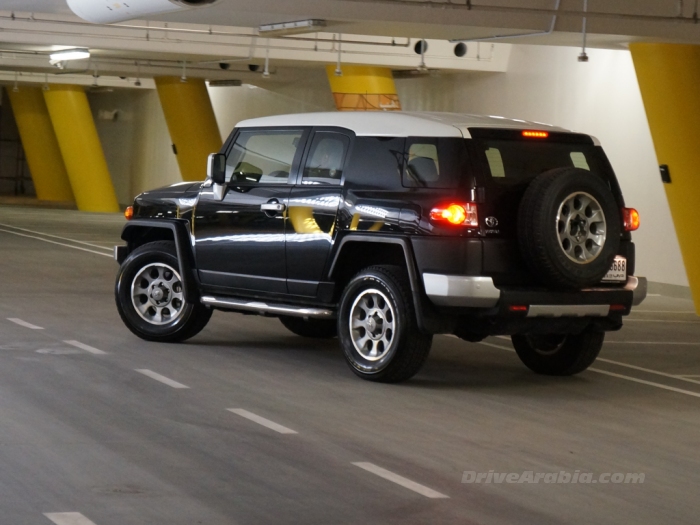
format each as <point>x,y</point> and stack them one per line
<point>385,228</point>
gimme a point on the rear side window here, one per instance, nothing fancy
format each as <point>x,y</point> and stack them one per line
<point>513,161</point>
<point>434,162</point>
<point>376,162</point>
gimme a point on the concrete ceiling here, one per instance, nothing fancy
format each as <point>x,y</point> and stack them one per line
<point>24,42</point>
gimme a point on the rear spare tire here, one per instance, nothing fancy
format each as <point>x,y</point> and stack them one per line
<point>569,228</point>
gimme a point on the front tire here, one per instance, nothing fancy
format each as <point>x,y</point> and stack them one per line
<point>559,355</point>
<point>377,326</point>
<point>150,297</point>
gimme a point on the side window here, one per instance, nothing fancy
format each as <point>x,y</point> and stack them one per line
<point>435,162</point>
<point>326,159</point>
<point>262,157</point>
<point>376,162</point>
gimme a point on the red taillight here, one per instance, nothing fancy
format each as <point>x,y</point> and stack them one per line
<point>129,213</point>
<point>530,134</point>
<point>519,308</point>
<point>457,214</point>
<point>630,219</point>
<point>617,307</point>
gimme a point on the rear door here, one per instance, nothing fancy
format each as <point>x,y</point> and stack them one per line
<point>240,229</point>
<point>313,207</point>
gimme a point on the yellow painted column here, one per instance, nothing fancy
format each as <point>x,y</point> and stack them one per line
<point>81,148</point>
<point>363,88</point>
<point>191,122</point>
<point>40,145</point>
<point>669,79</point>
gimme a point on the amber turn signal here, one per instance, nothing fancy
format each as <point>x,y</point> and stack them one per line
<point>129,213</point>
<point>630,219</point>
<point>457,214</point>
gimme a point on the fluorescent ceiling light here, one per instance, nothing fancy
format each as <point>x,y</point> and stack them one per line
<point>287,28</point>
<point>70,54</point>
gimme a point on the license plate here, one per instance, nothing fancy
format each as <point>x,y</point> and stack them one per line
<point>618,270</point>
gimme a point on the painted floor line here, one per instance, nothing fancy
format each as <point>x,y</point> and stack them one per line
<point>162,379</point>
<point>68,518</point>
<point>648,370</point>
<point>659,321</point>
<point>651,343</point>
<point>24,323</point>
<point>400,480</point>
<point>644,382</point>
<point>663,311</point>
<point>85,347</point>
<point>59,243</point>
<point>689,375</point>
<point>262,421</point>
<point>56,236</point>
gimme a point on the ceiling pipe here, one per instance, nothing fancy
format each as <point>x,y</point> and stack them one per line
<point>471,6</point>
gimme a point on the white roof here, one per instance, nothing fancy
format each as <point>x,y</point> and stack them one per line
<point>398,123</point>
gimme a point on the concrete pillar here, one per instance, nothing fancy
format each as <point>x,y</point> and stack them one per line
<point>363,88</point>
<point>669,79</point>
<point>81,148</point>
<point>191,122</point>
<point>40,145</point>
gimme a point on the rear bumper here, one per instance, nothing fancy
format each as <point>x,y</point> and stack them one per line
<point>463,291</point>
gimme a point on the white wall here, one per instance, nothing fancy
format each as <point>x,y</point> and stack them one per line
<point>135,140</point>
<point>602,98</point>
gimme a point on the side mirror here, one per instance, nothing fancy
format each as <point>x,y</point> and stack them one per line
<point>216,168</point>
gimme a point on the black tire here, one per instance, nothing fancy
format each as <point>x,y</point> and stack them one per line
<point>559,355</point>
<point>314,328</point>
<point>540,228</point>
<point>386,293</point>
<point>190,318</point>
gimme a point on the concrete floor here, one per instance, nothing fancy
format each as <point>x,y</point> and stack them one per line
<point>86,436</point>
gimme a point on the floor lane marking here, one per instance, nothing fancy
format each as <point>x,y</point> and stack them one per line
<point>162,379</point>
<point>659,321</point>
<point>24,323</point>
<point>262,421</point>
<point>649,371</point>
<point>663,311</point>
<point>644,382</point>
<point>68,518</point>
<point>85,347</point>
<point>56,236</point>
<point>400,480</point>
<point>682,343</point>
<point>620,376</point>
<point>59,243</point>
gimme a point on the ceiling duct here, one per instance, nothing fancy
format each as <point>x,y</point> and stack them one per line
<point>110,11</point>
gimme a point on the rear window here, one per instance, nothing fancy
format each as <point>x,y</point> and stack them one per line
<point>517,160</point>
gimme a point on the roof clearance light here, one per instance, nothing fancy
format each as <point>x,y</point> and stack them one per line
<point>457,214</point>
<point>630,219</point>
<point>535,134</point>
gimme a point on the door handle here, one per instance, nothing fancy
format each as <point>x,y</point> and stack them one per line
<point>273,206</point>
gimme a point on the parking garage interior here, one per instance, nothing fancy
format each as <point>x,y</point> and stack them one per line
<point>248,423</point>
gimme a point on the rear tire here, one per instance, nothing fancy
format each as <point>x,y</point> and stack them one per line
<point>150,299</point>
<point>314,328</point>
<point>377,326</point>
<point>559,355</point>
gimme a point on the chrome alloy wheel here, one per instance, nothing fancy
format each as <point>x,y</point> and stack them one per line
<point>156,293</point>
<point>372,324</point>
<point>581,227</point>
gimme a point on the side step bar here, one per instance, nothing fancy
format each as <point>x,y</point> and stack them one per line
<point>264,308</point>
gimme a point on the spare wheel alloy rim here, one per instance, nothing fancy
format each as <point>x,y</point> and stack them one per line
<point>372,324</point>
<point>581,227</point>
<point>157,294</point>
